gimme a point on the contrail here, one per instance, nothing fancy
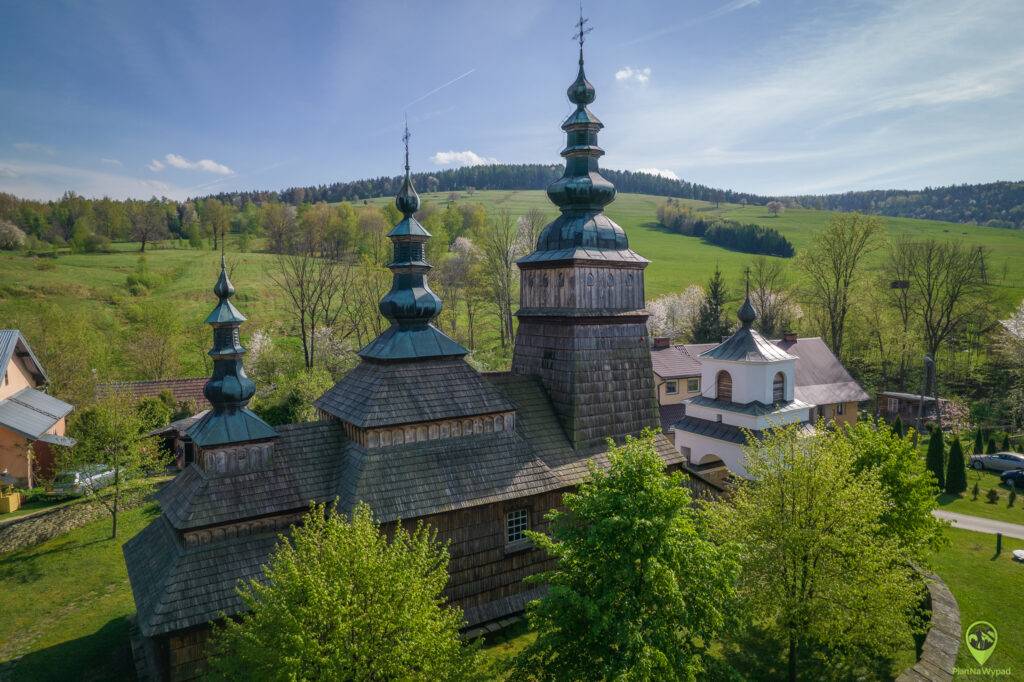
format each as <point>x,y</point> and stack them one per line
<point>713,14</point>
<point>440,87</point>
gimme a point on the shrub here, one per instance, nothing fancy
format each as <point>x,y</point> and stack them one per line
<point>1012,497</point>
<point>991,448</point>
<point>975,491</point>
<point>956,472</point>
<point>11,236</point>
<point>992,495</point>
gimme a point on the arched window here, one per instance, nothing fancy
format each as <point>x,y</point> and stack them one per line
<point>779,388</point>
<point>723,386</point>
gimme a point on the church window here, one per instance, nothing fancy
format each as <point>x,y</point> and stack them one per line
<point>723,385</point>
<point>517,522</point>
<point>671,387</point>
<point>779,387</point>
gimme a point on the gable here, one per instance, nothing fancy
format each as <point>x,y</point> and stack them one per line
<point>17,356</point>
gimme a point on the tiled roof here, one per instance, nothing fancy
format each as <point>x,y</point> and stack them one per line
<point>388,394</point>
<point>678,361</point>
<point>726,432</point>
<point>183,390</point>
<point>32,413</point>
<point>12,341</point>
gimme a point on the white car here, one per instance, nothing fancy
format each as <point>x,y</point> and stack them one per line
<point>1000,461</point>
<point>82,481</point>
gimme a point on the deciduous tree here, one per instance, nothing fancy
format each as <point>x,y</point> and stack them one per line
<point>638,592</point>
<point>339,600</point>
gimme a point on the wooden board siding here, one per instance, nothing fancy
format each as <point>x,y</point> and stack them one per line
<point>593,287</point>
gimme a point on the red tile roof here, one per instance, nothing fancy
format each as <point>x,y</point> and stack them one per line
<point>183,390</point>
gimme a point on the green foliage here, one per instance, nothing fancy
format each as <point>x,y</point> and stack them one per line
<point>728,234</point>
<point>991,448</point>
<point>979,442</point>
<point>637,592</point>
<point>956,472</point>
<point>897,427</point>
<point>936,458</point>
<point>289,399</point>
<point>992,496</point>
<point>820,573</point>
<point>975,491</point>
<point>153,413</point>
<point>110,437</point>
<point>906,483</point>
<point>710,325</point>
<point>1012,498</point>
<point>1006,442</point>
<point>139,282</point>
<point>340,601</point>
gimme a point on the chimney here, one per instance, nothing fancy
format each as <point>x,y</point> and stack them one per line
<point>789,337</point>
<point>662,342</point>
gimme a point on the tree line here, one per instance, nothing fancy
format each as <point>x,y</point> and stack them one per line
<point>728,234</point>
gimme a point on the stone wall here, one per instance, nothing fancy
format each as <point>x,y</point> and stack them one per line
<point>938,653</point>
<point>32,530</point>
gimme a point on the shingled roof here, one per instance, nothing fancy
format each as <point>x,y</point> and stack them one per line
<point>177,587</point>
<point>389,394</point>
<point>183,390</point>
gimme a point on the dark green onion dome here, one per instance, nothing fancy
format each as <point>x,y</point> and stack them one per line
<point>229,389</point>
<point>582,192</point>
<point>747,313</point>
<point>410,306</point>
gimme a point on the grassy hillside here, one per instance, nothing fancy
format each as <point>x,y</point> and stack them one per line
<point>87,294</point>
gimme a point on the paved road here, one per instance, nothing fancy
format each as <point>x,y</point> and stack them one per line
<point>982,525</point>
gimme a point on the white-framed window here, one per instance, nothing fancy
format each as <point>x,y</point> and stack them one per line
<point>671,387</point>
<point>517,522</point>
<point>840,408</point>
<point>779,387</point>
<point>894,405</point>
<point>693,385</point>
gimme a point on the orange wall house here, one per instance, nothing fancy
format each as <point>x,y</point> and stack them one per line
<point>31,421</point>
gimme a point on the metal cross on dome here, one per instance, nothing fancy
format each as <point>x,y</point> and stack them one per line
<point>405,139</point>
<point>581,29</point>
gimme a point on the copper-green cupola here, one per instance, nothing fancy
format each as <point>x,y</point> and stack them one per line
<point>410,305</point>
<point>229,389</point>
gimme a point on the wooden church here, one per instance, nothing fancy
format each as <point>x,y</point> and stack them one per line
<point>413,430</point>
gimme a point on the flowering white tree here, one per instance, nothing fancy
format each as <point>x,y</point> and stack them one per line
<point>672,315</point>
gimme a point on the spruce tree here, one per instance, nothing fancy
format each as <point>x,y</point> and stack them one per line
<point>979,442</point>
<point>936,458</point>
<point>1006,442</point>
<point>956,473</point>
<point>991,449</point>
<point>897,427</point>
<point>710,326</point>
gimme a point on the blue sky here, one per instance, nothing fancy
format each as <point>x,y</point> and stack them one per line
<point>772,96</point>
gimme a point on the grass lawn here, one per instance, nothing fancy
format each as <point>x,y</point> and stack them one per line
<point>500,647</point>
<point>66,604</point>
<point>34,505</point>
<point>987,587</point>
<point>998,511</point>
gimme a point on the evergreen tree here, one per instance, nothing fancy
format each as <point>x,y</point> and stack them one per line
<point>1006,442</point>
<point>936,459</point>
<point>956,473</point>
<point>897,427</point>
<point>991,449</point>
<point>979,442</point>
<point>711,326</point>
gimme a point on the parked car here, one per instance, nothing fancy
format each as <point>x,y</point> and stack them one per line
<point>1015,478</point>
<point>82,481</point>
<point>1000,461</point>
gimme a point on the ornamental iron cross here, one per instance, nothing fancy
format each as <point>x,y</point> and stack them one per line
<point>581,28</point>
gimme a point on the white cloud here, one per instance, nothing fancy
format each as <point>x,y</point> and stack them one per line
<point>34,148</point>
<point>155,166</point>
<point>662,172</point>
<point>464,158</point>
<point>206,165</point>
<point>628,74</point>
<point>110,162</point>
<point>43,181</point>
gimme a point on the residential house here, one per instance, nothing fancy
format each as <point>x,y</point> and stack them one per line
<point>891,405</point>
<point>31,422</point>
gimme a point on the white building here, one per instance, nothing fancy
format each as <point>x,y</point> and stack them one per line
<point>747,385</point>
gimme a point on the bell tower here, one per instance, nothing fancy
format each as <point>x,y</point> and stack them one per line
<point>582,322</point>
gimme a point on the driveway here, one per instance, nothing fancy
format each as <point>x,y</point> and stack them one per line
<point>981,525</point>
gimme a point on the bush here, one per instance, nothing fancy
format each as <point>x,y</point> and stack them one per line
<point>11,236</point>
<point>1013,496</point>
<point>975,491</point>
<point>992,495</point>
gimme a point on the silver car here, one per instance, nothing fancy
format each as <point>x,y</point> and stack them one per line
<point>82,481</point>
<point>1000,461</point>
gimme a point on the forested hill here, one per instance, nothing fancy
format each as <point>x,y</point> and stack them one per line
<point>996,204</point>
<point>498,176</point>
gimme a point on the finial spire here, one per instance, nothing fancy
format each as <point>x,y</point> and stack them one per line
<point>581,31</point>
<point>405,139</point>
<point>407,201</point>
<point>747,313</point>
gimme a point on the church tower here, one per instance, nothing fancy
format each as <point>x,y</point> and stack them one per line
<point>582,322</point>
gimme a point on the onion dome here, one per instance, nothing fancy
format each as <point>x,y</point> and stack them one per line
<point>229,389</point>
<point>747,313</point>
<point>410,305</point>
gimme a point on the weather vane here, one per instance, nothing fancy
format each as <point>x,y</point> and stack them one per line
<point>581,29</point>
<point>405,139</point>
